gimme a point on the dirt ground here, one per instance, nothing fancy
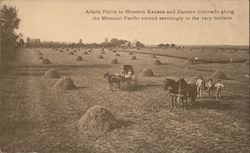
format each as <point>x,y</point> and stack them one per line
<point>35,117</point>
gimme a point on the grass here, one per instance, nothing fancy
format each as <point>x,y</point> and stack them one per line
<point>35,117</point>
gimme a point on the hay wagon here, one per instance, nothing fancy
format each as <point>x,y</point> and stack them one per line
<point>128,75</point>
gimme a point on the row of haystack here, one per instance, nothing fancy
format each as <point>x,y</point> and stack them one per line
<point>64,83</point>
<point>44,60</point>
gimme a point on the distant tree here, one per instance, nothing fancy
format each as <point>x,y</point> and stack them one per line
<point>173,45</point>
<point>167,45</point>
<point>161,45</point>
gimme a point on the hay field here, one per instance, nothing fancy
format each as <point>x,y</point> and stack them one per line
<point>205,54</point>
<point>35,117</point>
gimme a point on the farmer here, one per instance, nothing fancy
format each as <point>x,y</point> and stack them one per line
<point>218,87</point>
<point>199,84</point>
<point>210,87</point>
<point>196,59</point>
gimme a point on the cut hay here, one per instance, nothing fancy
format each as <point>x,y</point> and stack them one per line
<point>65,83</point>
<point>51,74</point>
<point>85,53</point>
<point>100,57</point>
<point>157,62</point>
<point>61,51</point>
<point>131,53</point>
<point>218,75</point>
<point>133,58</point>
<point>147,72</point>
<point>46,61</point>
<point>114,61</point>
<point>79,58</point>
<point>71,53</point>
<point>117,54</point>
<point>98,119</point>
<point>189,61</point>
<point>153,56</point>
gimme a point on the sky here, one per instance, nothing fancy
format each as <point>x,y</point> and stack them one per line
<point>66,20</point>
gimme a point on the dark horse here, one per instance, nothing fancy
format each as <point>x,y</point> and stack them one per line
<point>113,79</point>
<point>172,87</point>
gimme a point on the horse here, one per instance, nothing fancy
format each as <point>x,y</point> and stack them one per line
<point>172,87</point>
<point>183,92</point>
<point>113,79</point>
<point>192,93</point>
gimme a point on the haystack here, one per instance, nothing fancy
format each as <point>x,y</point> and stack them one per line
<point>218,75</point>
<point>51,74</point>
<point>147,72</point>
<point>79,58</point>
<point>46,61</point>
<point>65,83</point>
<point>133,58</point>
<point>40,57</point>
<point>114,61</point>
<point>98,119</point>
<point>157,62</point>
<point>100,57</point>
<point>39,54</point>
<point>71,53</point>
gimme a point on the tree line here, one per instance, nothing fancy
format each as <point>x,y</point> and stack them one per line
<point>10,40</point>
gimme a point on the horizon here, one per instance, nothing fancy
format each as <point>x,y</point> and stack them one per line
<point>65,21</point>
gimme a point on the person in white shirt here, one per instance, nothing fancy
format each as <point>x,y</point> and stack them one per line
<point>218,87</point>
<point>199,84</point>
<point>210,88</point>
<point>196,59</point>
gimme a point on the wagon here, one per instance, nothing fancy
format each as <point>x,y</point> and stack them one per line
<point>129,75</point>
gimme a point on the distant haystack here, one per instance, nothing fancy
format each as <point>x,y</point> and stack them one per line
<point>147,73</point>
<point>133,58</point>
<point>157,62</point>
<point>65,83</point>
<point>100,57</point>
<point>61,51</point>
<point>51,74</point>
<point>39,54</point>
<point>79,58</point>
<point>153,56</point>
<point>46,61</point>
<point>114,61</point>
<point>114,51</point>
<point>130,53</point>
<point>71,53</point>
<point>117,54</point>
<point>85,53</point>
<point>40,57</point>
<point>218,75</point>
<point>98,119</point>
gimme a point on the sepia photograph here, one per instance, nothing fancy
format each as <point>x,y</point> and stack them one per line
<point>124,76</point>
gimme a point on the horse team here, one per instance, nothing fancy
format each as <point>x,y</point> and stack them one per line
<point>181,91</point>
